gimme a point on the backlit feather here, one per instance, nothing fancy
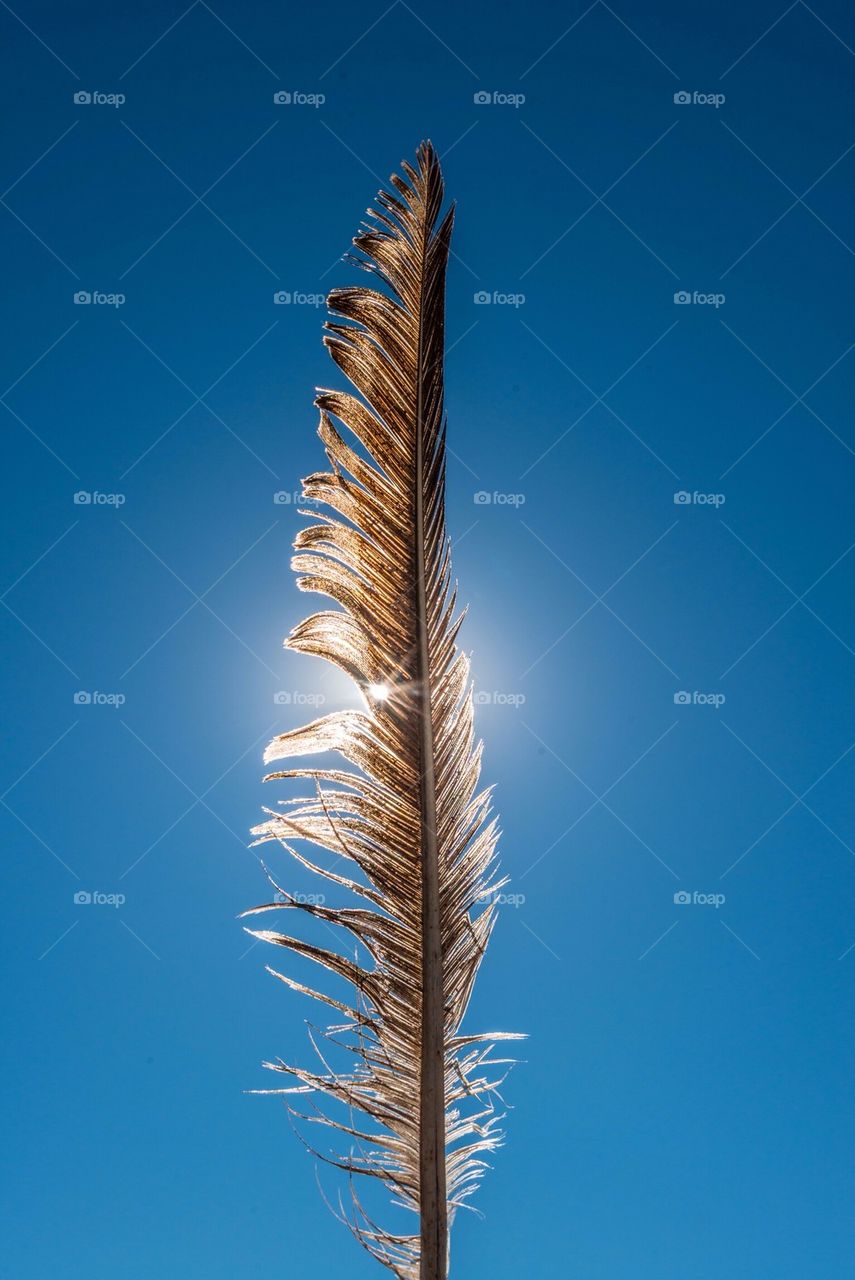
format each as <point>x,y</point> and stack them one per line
<point>405,822</point>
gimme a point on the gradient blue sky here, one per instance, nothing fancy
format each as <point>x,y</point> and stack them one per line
<point>685,1108</point>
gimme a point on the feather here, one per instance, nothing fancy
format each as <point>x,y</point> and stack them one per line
<point>407,816</point>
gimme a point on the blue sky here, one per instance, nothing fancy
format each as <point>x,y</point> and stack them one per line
<point>664,685</point>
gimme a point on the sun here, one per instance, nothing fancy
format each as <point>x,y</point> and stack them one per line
<point>379,692</point>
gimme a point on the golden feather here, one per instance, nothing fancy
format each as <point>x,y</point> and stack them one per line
<point>407,816</point>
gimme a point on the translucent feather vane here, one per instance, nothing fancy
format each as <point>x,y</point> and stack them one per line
<point>405,821</point>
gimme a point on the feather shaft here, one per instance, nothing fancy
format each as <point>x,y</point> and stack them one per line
<point>433,1198</point>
